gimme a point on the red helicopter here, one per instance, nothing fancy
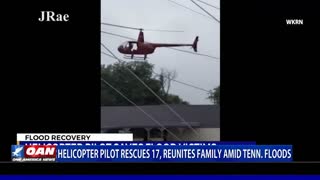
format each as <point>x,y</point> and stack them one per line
<point>140,47</point>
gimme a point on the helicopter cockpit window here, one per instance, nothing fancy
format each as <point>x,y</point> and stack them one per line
<point>125,45</point>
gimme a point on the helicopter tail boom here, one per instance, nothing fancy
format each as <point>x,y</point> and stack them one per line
<point>194,45</point>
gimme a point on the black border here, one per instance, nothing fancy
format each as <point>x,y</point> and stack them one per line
<point>241,29</point>
<point>160,168</point>
<point>50,71</point>
<point>269,74</point>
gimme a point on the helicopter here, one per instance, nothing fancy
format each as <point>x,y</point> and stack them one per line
<point>141,47</point>
<point>145,48</point>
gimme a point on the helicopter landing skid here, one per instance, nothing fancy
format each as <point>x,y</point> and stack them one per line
<point>135,58</point>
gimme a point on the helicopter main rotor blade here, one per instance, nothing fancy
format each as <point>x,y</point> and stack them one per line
<point>127,27</point>
<point>140,29</point>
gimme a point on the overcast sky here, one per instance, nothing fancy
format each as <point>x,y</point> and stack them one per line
<point>200,71</point>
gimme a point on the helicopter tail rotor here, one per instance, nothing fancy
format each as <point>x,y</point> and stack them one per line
<point>195,44</point>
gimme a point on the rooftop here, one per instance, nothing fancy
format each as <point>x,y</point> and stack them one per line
<point>201,116</point>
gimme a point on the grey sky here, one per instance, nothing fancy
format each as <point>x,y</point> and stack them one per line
<point>200,71</point>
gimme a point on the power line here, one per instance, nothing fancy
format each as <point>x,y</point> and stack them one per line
<point>208,4</point>
<point>126,37</point>
<point>162,30</point>
<point>199,54</point>
<point>190,85</point>
<point>177,81</point>
<point>188,8</point>
<point>205,11</point>
<point>148,115</point>
<point>155,94</point>
<point>107,54</point>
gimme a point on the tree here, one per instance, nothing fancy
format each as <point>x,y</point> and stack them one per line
<point>165,78</point>
<point>214,95</point>
<point>120,78</point>
<point>174,99</point>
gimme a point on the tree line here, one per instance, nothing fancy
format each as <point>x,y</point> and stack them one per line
<point>120,78</point>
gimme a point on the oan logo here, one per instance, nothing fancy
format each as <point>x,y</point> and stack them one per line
<point>17,151</point>
<point>40,151</point>
<point>294,21</point>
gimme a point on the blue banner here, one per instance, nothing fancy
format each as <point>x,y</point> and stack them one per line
<point>161,177</point>
<point>168,153</point>
<point>133,143</point>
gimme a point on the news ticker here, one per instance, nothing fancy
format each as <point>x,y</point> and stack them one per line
<point>110,147</point>
<point>75,137</point>
<point>153,153</point>
<point>101,139</point>
<point>132,143</point>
